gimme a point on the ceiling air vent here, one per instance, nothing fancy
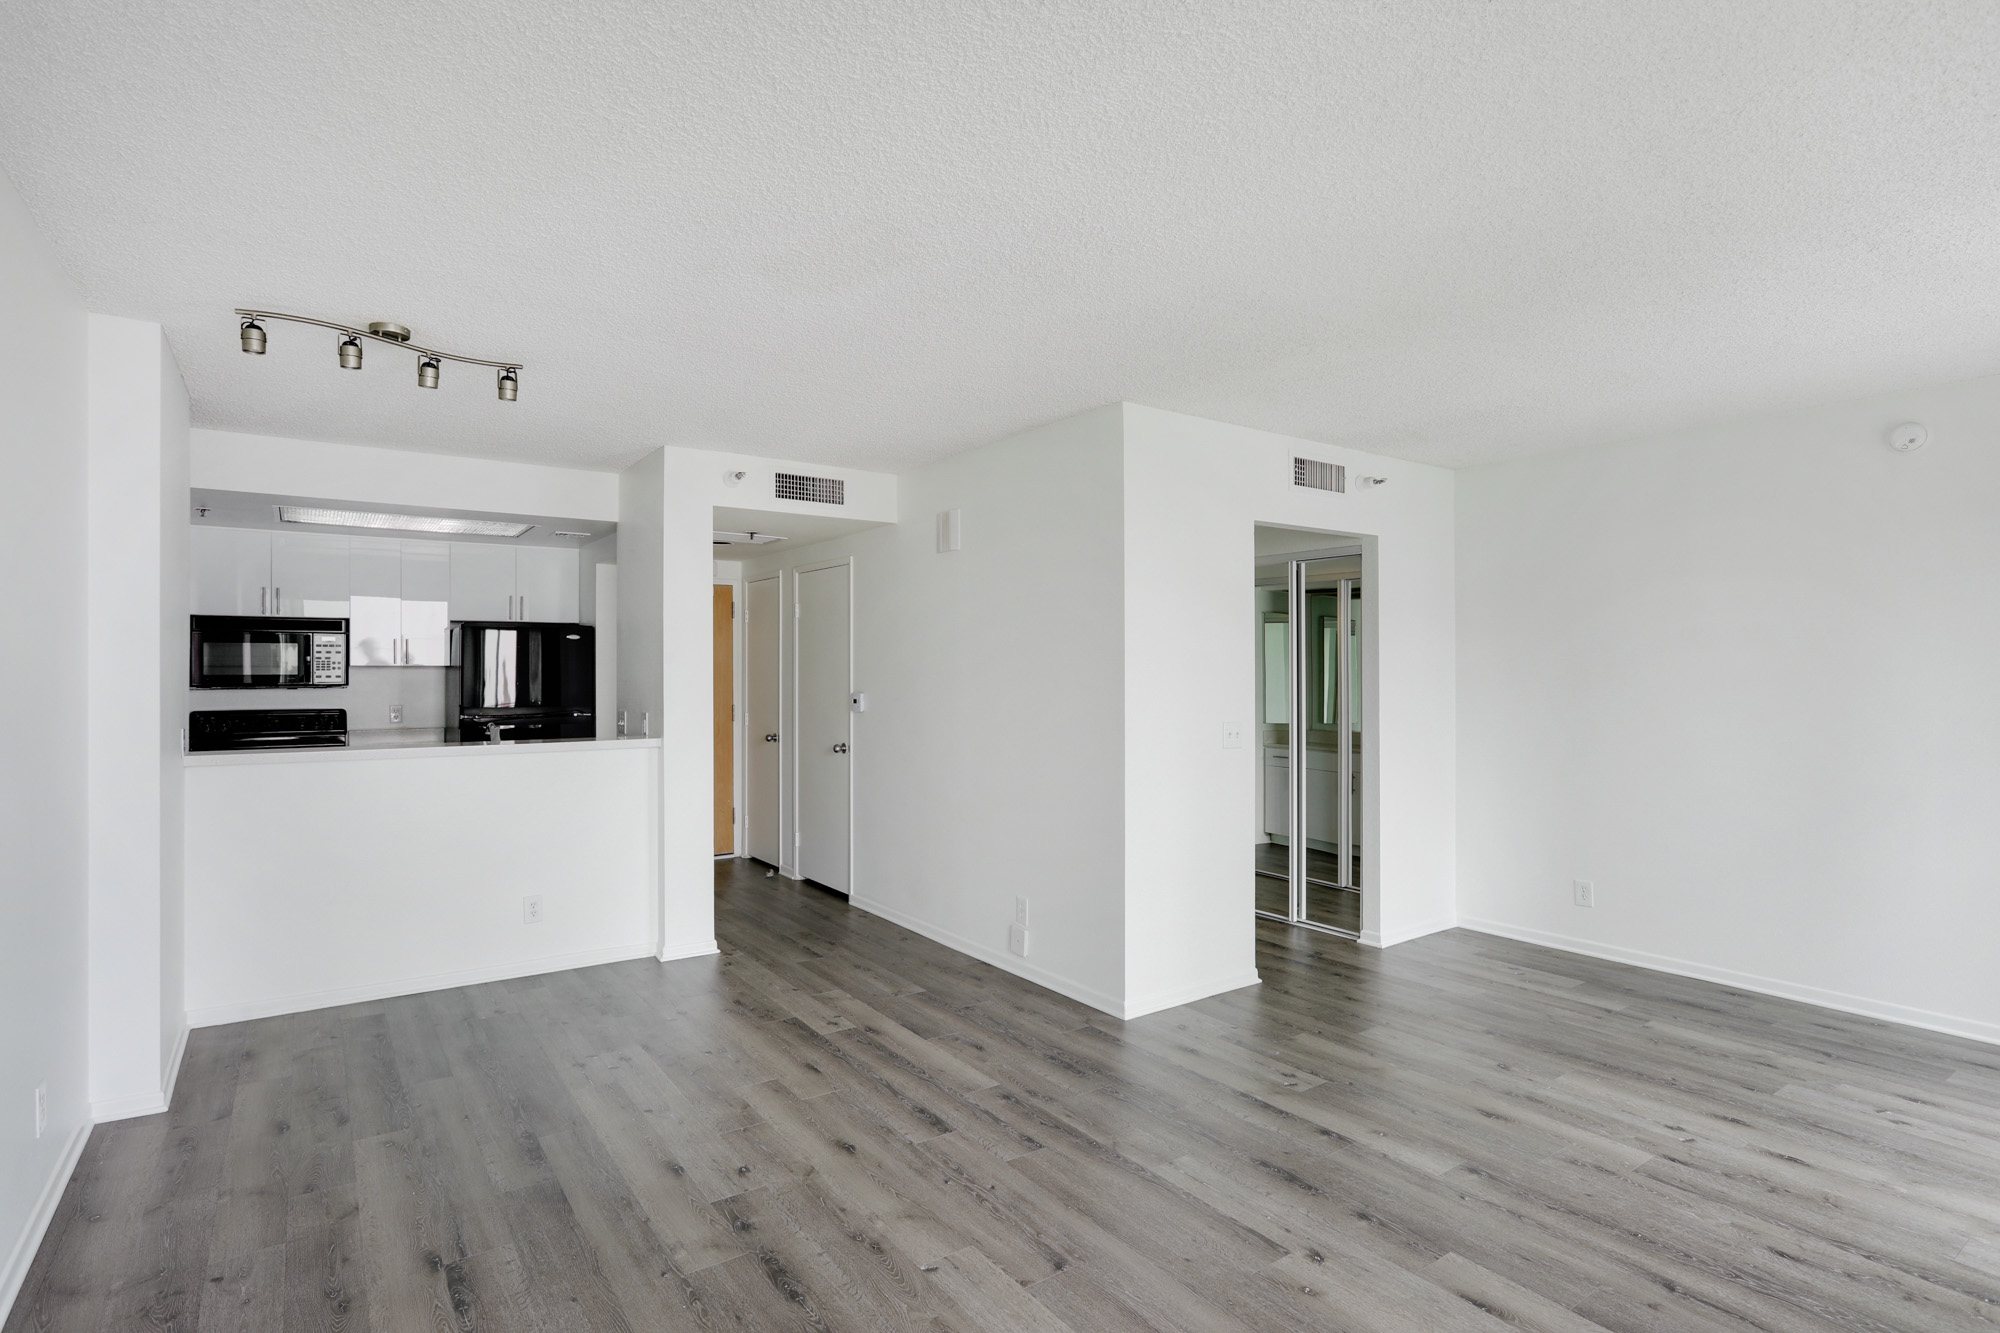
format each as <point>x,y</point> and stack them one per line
<point>820,490</point>
<point>1318,476</point>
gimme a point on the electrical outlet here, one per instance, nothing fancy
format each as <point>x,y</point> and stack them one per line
<point>1021,913</point>
<point>531,910</point>
<point>1586,895</point>
<point>1232,735</point>
<point>395,714</point>
<point>41,1108</point>
<point>1017,940</point>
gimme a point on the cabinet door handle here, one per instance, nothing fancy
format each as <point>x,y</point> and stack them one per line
<point>263,601</point>
<point>277,600</point>
<point>510,606</point>
<point>524,606</point>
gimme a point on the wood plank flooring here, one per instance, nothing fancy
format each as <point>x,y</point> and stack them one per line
<point>838,1125</point>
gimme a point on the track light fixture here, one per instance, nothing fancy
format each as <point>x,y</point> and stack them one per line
<point>429,359</point>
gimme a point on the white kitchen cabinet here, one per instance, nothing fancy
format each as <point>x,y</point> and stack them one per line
<point>309,573</point>
<point>545,583</point>
<point>229,571</point>
<point>375,601</point>
<point>481,581</point>
<point>400,593</point>
<point>426,604</point>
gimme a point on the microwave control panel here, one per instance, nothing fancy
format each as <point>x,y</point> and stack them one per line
<point>329,659</point>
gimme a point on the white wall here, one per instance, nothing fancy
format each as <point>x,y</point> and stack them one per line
<point>428,893</point>
<point>1742,680</point>
<point>44,890</point>
<point>989,762</point>
<point>1195,492</point>
<point>363,474</point>
<point>136,671</point>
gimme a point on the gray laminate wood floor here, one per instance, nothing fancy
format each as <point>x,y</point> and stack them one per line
<point>839,1125</point>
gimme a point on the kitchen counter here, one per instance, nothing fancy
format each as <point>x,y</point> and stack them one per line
<point>405,743</point>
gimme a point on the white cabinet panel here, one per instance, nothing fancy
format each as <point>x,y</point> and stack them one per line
<point>426,603</point>
<point>229,571</point>
<point>545,581</point>
<point>482,581</point>
<point>309,573</point>
<point>375,601</point>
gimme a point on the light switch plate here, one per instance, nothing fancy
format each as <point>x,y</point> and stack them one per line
<point>1232,735</point>
<point>1017,940</point>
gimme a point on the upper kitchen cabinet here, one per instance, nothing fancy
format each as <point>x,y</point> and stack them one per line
<point>545,580</point>
<point>426,604</point>
<point>375,601</point>
<point>309,574</point>
<point>229,571</point>
<point>494,582</point>
<point>482,581</point>
<point>400,603</point>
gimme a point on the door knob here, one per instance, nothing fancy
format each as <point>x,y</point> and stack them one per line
<point>771,736</point>
<point>841,748</point>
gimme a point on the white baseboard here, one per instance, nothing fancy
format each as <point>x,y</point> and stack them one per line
<point>673,951</point>
<point>22,1257</point>
<point>1376,939</point>
<point>244,1011</point>
<point>1061,985</point>
<point>1006,962</point>
<point>1188,994</point>
<point>174,1061</point>
<point>127,1108</point>
<point>1866,1007</point>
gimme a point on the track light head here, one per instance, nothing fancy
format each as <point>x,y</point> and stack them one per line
<point>350,354</point>
<point>510,388</point>
<point>427,374</point>
<point>253,337</point>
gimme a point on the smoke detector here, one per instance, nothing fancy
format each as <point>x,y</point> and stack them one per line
<point>1908,437</point>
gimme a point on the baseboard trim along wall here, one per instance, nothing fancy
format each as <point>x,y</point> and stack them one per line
<point>23,1254</point>
<point>1375,939</point>
<point>676,951</point>
<point>1949,1024</point>
<point>146,1103</point>
<point>1061,985</point>
<point>216,1014</point>
<point>1180,995</point>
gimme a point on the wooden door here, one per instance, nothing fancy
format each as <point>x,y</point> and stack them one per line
<point>725,720</point>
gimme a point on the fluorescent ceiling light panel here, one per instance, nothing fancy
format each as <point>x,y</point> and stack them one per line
<point>361,518</point>
<point>749,538</point>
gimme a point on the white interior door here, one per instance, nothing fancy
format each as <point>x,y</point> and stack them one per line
<point>825,726</point>
<point>761,608</point>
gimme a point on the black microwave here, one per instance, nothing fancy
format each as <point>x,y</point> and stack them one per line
<point>266,653</point>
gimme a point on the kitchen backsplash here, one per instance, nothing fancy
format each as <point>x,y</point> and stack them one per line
<point>367,697</point>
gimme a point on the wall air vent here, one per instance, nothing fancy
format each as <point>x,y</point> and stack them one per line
<point>820,490</point>
<point>1318,476</point>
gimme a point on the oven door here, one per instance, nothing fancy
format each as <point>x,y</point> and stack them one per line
<point>237,653</point>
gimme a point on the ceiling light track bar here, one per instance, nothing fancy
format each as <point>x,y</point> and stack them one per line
<point>353,332</point>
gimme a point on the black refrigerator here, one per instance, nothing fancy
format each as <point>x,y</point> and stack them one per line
<point>523,680</point>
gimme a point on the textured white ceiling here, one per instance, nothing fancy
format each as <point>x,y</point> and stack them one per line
<point>876,233</point>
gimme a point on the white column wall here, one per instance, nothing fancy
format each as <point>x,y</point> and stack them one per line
<point>1741,679</point>
<point>136,670</point>
<point>44,890</point>
<point>1195,491</point>
<point>989,763</point>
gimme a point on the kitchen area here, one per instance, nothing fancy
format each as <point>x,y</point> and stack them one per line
<point>405,766</point>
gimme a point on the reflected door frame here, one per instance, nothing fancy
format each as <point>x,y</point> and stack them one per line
<point>1298,728</point>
